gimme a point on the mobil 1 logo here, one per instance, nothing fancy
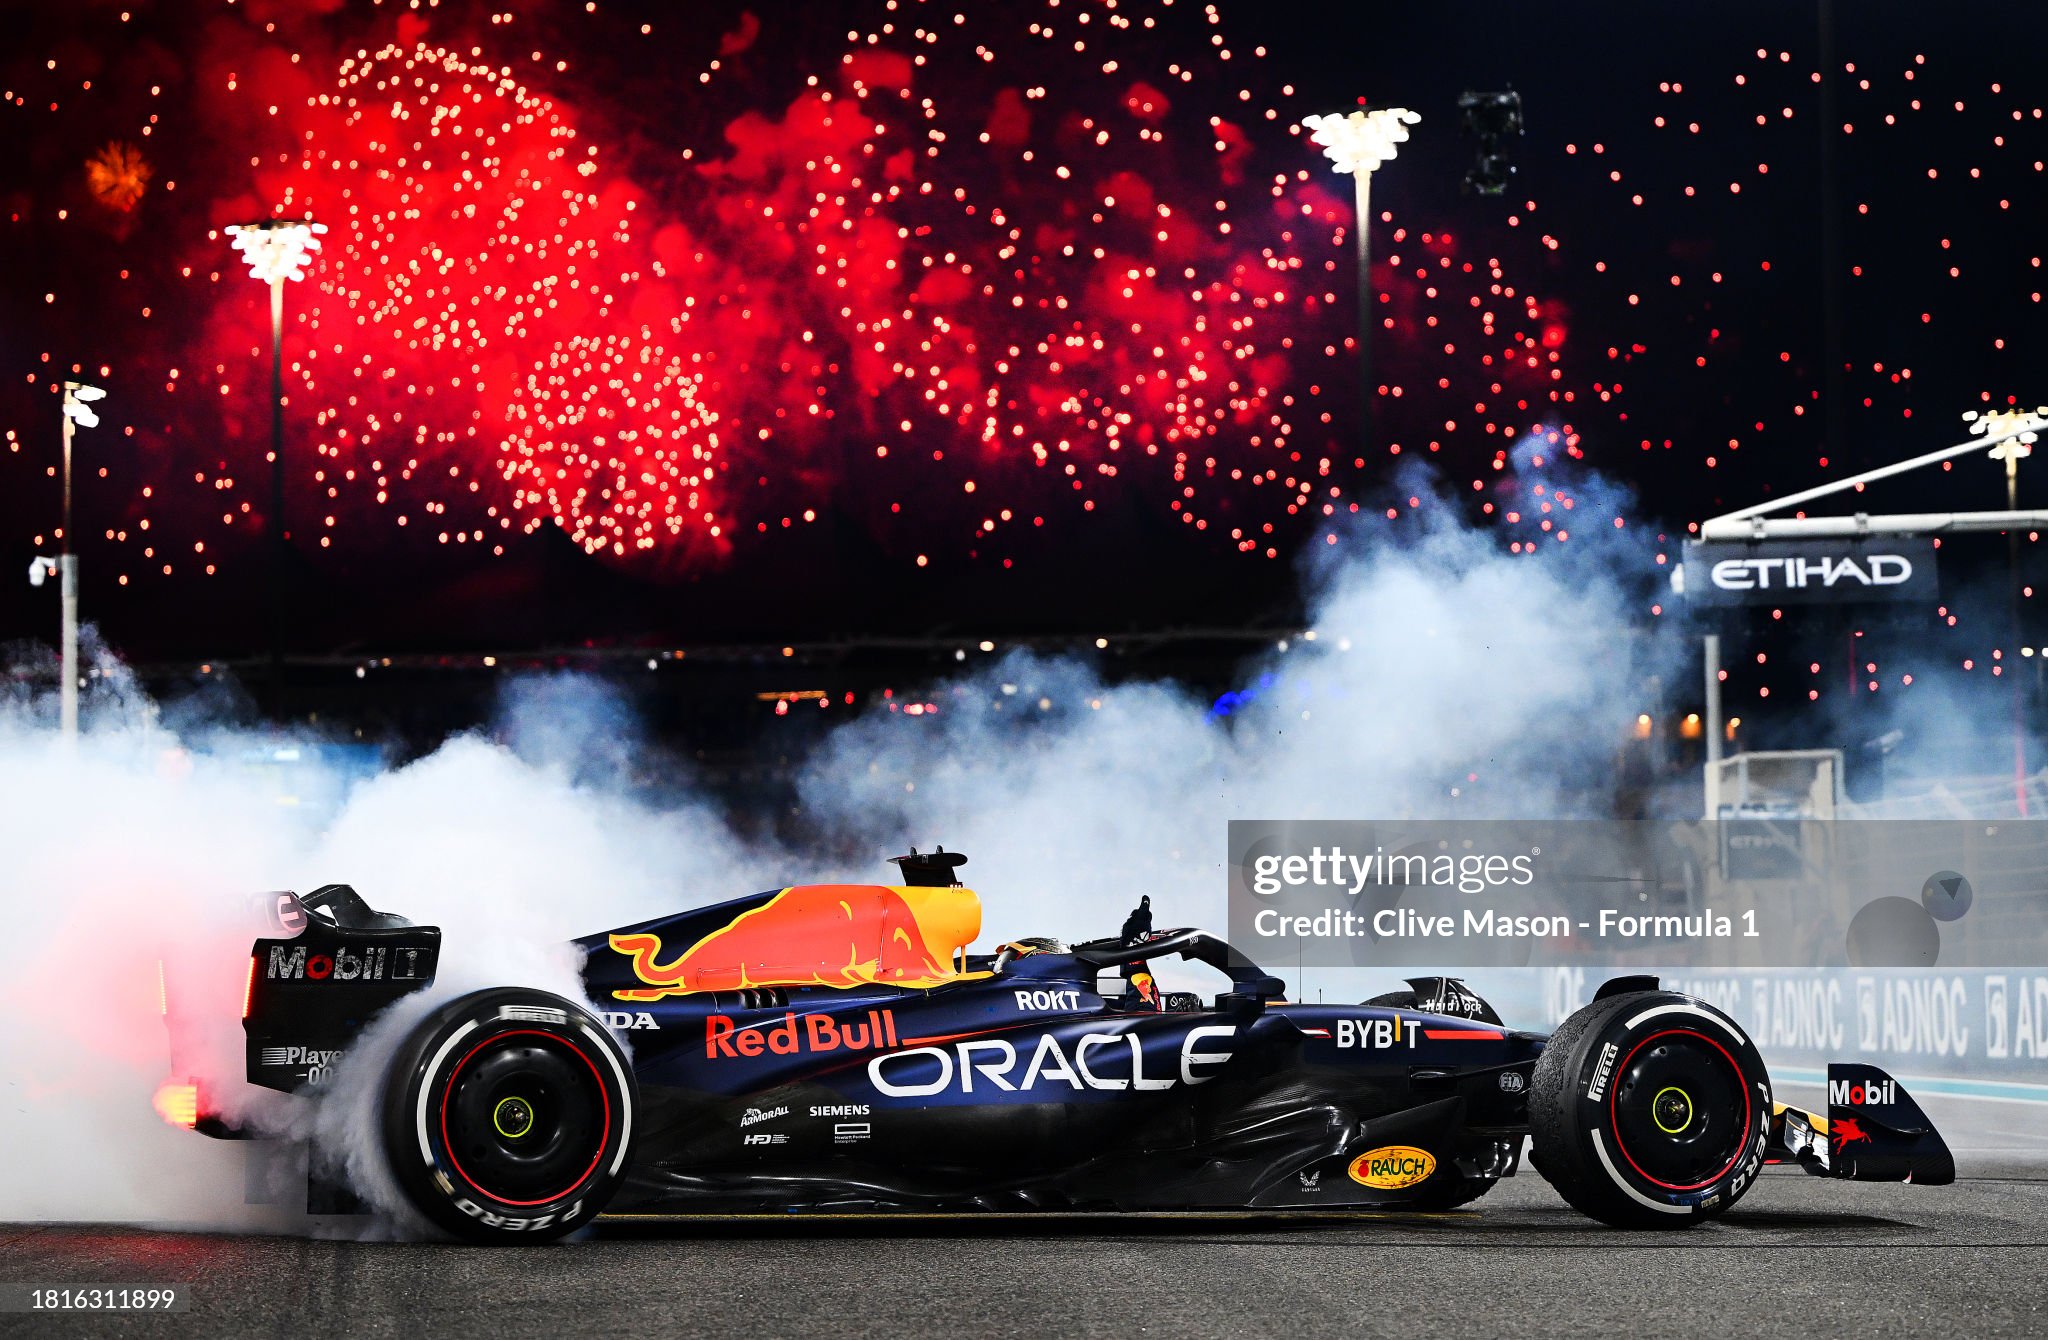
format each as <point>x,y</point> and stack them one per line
<point>378,963</point>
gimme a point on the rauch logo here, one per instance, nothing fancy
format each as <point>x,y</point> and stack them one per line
<point>1393,1167</point>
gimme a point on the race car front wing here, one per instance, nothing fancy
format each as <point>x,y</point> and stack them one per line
<point>1873,1132</point>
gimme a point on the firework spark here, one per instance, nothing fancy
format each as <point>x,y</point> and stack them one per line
<point>117,176</point>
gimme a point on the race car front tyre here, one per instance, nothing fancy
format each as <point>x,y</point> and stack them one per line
<point>1650,1110</point>
<point>508,1116</point>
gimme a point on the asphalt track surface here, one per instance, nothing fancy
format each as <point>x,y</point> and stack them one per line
<point>1799,1255</point>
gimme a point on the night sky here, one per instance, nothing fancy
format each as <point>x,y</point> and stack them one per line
<point>787,321</point>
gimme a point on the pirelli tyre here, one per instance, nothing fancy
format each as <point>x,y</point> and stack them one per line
<point>1650,1109</point>
<point>508,1116</point>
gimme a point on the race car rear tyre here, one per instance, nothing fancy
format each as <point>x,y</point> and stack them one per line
<point>1650,1110</point>
<point>508,1116</point>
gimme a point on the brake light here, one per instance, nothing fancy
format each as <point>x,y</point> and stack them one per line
<point>178,1104</point>
<point>249,987</point>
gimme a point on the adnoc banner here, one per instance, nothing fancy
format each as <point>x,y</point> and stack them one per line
<point>1972,1023</point>
<point>1810,572</point>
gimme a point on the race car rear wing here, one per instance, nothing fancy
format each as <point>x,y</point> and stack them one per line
<point>1873,1132</point>
<point>331,965</point>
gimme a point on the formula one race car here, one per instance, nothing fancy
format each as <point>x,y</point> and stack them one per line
<point>834,1048</point>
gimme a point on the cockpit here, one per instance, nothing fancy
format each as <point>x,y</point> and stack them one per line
<point>1121,971</point>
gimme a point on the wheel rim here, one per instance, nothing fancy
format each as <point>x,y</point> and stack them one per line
<point>1680,1110</point>
<point>1672,1110</point>
<point>513,1118</point>
<point>525,1117</point>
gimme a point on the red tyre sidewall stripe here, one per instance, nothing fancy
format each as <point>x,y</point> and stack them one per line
<point>1741,1081</point>
<point>448,1148</point>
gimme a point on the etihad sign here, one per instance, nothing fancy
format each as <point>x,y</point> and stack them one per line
<point>1809,571</point>
<point>1765,574</point>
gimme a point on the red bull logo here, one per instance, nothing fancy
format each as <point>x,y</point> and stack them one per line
<point>808,1033</point>
<point>817,935</point>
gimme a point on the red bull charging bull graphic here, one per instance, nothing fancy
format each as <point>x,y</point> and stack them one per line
<point>837,935</point>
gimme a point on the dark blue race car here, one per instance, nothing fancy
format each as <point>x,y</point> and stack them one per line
<point>833,1048</point>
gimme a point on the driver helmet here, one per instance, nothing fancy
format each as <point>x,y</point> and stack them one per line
<point>1028,945</point>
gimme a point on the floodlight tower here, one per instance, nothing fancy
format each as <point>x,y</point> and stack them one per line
<point>78,413</point>
<point>2011,452</point>
<point>1358,143</point>
<point>277,250</point>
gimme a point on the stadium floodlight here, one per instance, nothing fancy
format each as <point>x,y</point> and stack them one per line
<point>1358,143</point>
<point>2019,429</point>
<point>277,250</point>
<point>77,403</point>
